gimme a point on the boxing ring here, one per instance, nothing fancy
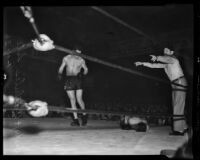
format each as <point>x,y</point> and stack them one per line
<point>55,136</point>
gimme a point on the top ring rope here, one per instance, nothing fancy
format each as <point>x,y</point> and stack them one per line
<point>122,22</point>
<point>28,13</point>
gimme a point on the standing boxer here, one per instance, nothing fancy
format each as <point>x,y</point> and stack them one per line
<point>73,83</point>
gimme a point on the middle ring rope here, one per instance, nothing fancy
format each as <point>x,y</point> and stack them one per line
<point>115,66</point>
<point>96,60</point>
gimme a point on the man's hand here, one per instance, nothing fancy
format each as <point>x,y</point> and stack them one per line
<point>138,63</point>
<point>153,58</point>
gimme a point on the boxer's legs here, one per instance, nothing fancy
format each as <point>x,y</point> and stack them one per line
<point>71,95</point>
<point>79,96</point>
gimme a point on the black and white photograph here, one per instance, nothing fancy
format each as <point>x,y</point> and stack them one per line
<point>99,80</point>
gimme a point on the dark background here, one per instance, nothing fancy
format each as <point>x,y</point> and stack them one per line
<point>99,36</point>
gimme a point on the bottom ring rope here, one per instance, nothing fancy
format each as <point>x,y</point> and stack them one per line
<point>21,102</point>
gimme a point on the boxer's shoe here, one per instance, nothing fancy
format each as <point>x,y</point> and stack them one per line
<point>84,120</point>
<point>75,123</point>
<point>186,130</point>
<point>176,133</point>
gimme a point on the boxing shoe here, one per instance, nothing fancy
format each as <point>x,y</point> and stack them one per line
<point>75,123</point>
<point>84,120</point>
<point>176,133</point>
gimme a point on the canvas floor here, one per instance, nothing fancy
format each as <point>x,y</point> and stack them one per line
<point>55,136</point>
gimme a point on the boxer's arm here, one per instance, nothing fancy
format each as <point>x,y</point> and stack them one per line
<point>153,65</point>
<point>84,67</point>
<point>165,59</point>
<point>62,66</point>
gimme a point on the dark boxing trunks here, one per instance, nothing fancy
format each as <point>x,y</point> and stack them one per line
<point>73,83</point>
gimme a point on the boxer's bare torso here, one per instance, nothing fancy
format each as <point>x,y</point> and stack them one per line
<point>73,65</point>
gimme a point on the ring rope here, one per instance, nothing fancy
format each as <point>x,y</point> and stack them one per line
<point>93,59</point>
<point>17,49</point>
<point>121,22</point>
<point>20,102</point>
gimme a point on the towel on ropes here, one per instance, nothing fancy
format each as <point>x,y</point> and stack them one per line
<point>46,45</point>
<point>37,108</point>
